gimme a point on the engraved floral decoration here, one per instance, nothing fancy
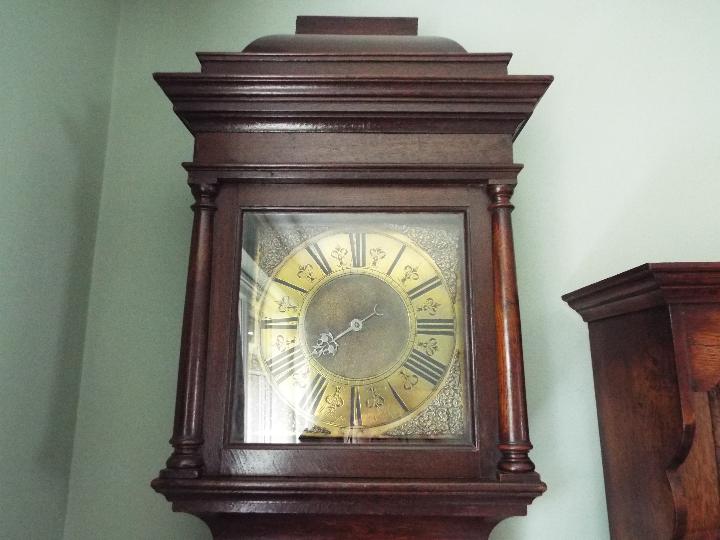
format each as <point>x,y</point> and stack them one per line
<point>285,305</point>
<point>283,344</point>
<point>410,273</point>
<point>430,346</point>
<point>300,376</point>
<point>442,243</point>
<point>339,254</point>
<point>377,254</point>
<point>444,416</point>
<point>333,402</point>
<point>409,380</point>
<point>317,429</point>
<point>430,306</point>
<point>375,401</point>
<point>306,271</point>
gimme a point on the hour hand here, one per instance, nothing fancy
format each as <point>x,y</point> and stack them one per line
<point>326,344</point>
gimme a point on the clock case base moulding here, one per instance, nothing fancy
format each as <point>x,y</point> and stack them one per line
<point>312,508</point>
<point>352,121</point>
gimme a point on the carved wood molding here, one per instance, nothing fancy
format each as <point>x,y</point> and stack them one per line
<point>646,286</point>
<point>461,498</point>
<point>465,65</point>
<point>200,173</point>
<point>237,103</point>
<point>434,58</point>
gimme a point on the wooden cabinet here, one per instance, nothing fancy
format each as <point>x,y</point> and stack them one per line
<point>655,342</point>
<point>348,172</point>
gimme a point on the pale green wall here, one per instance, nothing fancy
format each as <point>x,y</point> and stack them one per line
<point>55,78</point>
<point>621,159</point>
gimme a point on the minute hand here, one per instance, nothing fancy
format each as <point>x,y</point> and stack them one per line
<point>357,324</point>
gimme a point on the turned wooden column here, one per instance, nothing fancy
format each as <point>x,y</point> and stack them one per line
<point>186,459</point>
<point>514,442</point>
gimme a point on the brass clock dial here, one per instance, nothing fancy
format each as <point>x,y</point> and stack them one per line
<point>357,330</point>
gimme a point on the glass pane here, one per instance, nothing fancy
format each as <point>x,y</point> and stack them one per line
<point>351,328</point>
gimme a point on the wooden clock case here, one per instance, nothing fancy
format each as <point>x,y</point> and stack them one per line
<point>351,114</point>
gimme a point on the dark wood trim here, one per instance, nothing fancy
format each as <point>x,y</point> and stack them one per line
<point>430,65</point>
<point>527,88</point>
<point>367,527</point>
<point>240,103</point>
<point>647,286</point>
<point>310,122</point>
<point>433,58</point>
<point>300,489</point>
<point>186,459</point>
<point>337,173</point>
<point>386,26</point>
<point>402,509</point>
<point>514,443</point>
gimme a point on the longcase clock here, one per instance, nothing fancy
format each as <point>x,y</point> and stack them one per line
<point>351,362</point>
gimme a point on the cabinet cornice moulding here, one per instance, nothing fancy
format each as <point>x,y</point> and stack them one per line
<point>646,286</point>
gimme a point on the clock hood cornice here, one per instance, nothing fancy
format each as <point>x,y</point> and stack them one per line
<point>318,80</point>
<point>276,103</point>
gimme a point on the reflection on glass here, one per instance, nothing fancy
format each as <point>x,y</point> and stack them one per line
<point>351,329</point>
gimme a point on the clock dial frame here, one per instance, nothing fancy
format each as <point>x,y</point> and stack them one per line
<point>357,329</point>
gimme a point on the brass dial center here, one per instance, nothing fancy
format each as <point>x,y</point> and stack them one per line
<point>364,348</point>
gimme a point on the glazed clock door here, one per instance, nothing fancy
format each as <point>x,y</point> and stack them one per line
<point>353,328</point>
<point>345,345</point>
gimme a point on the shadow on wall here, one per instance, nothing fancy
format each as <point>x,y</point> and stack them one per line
<point>85,138</point>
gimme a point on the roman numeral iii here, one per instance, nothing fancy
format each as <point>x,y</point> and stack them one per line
<point>436,327</point>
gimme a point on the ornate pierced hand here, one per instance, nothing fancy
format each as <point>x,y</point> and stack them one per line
<point>327,343</point>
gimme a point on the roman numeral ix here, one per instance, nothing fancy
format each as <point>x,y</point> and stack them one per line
<point>283,323</point>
